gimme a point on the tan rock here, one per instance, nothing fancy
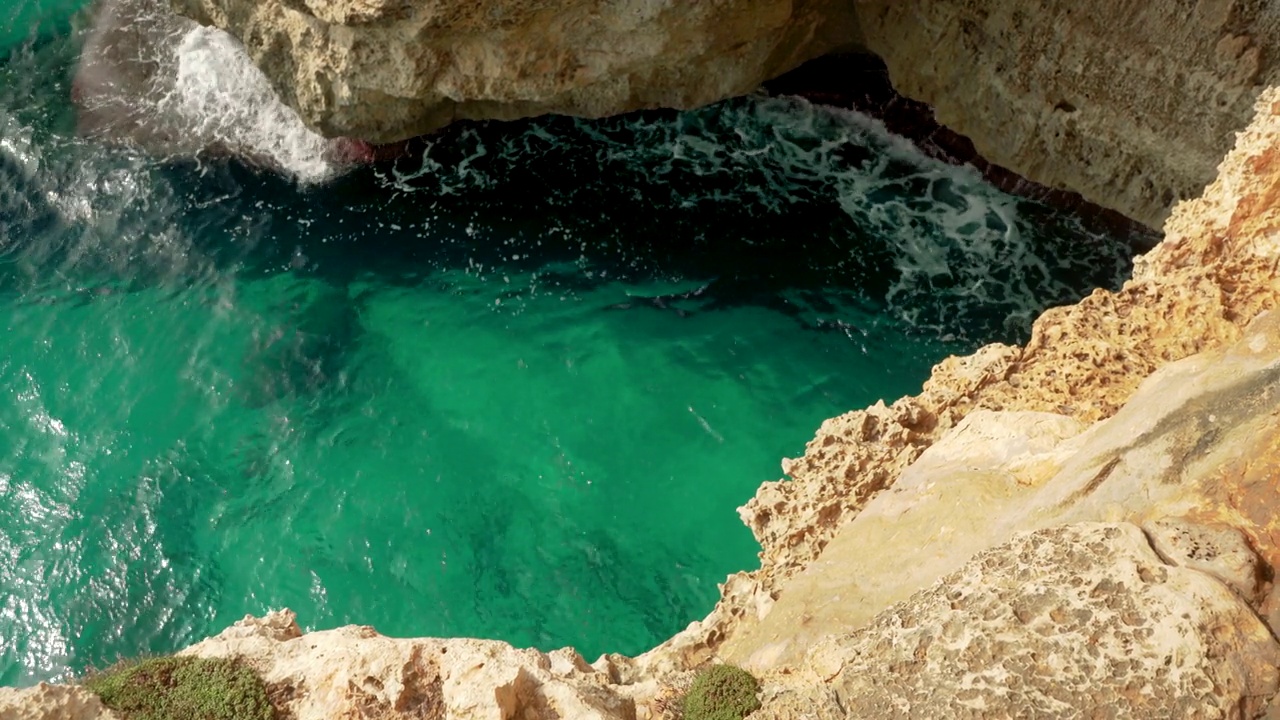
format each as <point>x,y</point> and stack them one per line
<point>52,702</point>
<point>1163,461</point>
<point>1130,103</point>
<point>386,70</point>
<point>353,672</point>
<point>1221,551</point>
<point>1081,620</point>
<point>163,83</point>
<point>1110,492</point>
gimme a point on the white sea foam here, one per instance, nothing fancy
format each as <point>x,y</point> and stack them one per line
<point>964,252</point>
<point>228,100</point>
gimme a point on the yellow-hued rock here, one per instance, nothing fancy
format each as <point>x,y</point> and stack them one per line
<point>353,672</point>
<point>1165,460</point>
<point>385,70</point>
<point>1216,270</point>
<point>52,702</point>
<point>1131,103</point>
<point>1075,621</point>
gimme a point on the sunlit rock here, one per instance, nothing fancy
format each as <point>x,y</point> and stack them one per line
<point>1062,622</point>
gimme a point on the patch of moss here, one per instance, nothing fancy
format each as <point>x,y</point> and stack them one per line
<point>722,692</point>
<point>182,688</point>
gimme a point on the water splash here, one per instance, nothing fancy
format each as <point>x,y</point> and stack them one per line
<point>178,89</point>
<point>226,98</point>
<point>963,258</point>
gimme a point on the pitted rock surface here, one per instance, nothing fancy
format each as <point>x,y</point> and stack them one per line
<point>52,702</point>
<point>387,70</point>
<point>1080,620</point>
<point>1218,550</point>
<point>354,672</point>
<point>1128,102</point>
<point>1213,274</point>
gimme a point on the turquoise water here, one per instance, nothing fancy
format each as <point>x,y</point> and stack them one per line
<point>511,386</point>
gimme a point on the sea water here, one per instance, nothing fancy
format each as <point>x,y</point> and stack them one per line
<point>512,386</point>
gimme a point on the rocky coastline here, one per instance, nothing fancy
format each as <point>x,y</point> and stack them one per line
<point>1084,526</point>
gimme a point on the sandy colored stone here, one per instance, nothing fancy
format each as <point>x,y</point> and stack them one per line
<point>354,672</point>
<point>1076,621</point>
<point>1105,500</point>
<point>1166,461</point>
<point>1216,270</point>
<point>1218,550</point>
<point>52,702</point>
<point>385,70</point>
<point>1130,103</point>
<point>162,83</point>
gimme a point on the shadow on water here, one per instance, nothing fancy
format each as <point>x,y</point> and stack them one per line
<point>589,204</point>
<point>768,202</point>
<point>305,351</point>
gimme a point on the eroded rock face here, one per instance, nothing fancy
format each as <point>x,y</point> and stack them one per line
<point>1168,460</point>
<point>386,70</point>
<point>1214,273</point>
<point>52,702</point>
<point>1080,620</point>
<point>353,672</point>
<point>1110,494</point>
<point>1129,102</point>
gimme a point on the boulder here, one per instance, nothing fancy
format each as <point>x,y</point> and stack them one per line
<point>52,702</point>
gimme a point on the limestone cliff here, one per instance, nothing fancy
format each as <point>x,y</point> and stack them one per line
<point>163,83</point>
<point>1083,620</point>
<point>1085,526</point>
<point>1215,272</point>
<point>1129,103</point>
<point>385,70</point>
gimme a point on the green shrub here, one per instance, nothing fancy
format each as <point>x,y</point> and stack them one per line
<point>182,688</point>
<point>721,692</point>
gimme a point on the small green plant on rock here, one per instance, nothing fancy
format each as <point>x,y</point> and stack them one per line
<point>722,692</point>
<point>182,688</point>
